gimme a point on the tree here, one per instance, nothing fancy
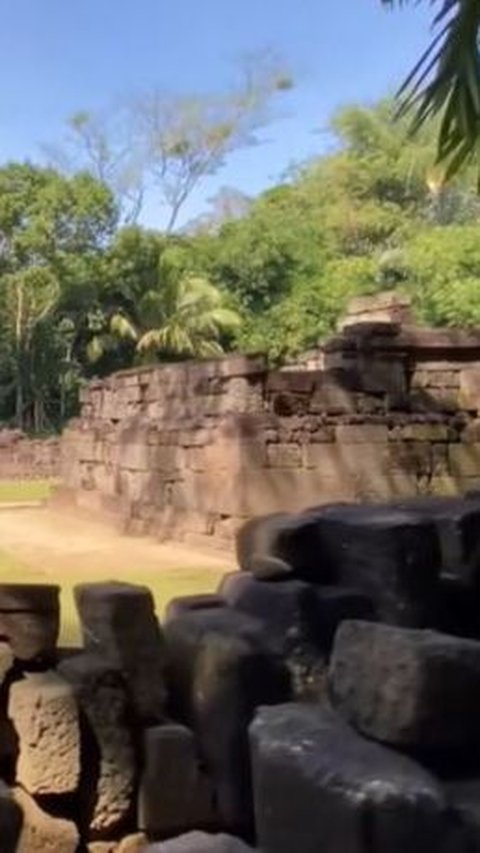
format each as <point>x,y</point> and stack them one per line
<point>170,143</point>
<point>445,82</point>
<point>179,316</point>
<point>49,227</point>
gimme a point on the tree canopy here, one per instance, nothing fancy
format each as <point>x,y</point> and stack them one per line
<point>81,295</point>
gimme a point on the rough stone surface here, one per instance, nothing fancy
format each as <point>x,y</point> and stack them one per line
<point>107,787</point>
<point>221,669</point>
<point>464,798</point>
<point>333,605</point>
<point>458,523</point>
<point>118,622</point>
<point>175,795</point>
<point>10,821</point>
<point>380,411</point>
<point>289,613</point>
<point>286,608</point>
<point>30,619</point>
<point>319,786</point>
<point>191,602</point>
<point>407,687</point>
<point>201,842</point>
<point>42,833</point>
<point>390,555</point>
<point>278,545</point>
<point>44,712</point>
<point>136,843</point>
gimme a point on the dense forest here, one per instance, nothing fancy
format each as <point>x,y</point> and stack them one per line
<point>85,291</point>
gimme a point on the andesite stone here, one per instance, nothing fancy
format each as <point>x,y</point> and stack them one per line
<point>221,668</point>
<point>320,786</point>
<point>201,842</point>
<point>458,523</point>
<point>281,544</point>
<point>44,712</point>
<point>30,619</point>
<point>118,622</point>
<point>41,832</point>
<point>11,820</point>
<point>409,688</point>
<point>108,783</point>
<point>389,554</point>
<point>175,794</point>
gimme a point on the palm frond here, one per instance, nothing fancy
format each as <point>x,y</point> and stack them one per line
<point>445,82</point>
<point>123,327</point>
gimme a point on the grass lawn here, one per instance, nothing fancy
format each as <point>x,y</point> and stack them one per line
<point>24,491</point>
<point>165,585</point>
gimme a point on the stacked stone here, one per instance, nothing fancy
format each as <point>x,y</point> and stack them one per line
<point>327,697</point>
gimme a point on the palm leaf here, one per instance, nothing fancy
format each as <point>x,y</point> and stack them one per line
<point>445,81</point>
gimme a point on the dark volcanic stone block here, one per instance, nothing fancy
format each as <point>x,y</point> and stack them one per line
<point>333,606</point>
<point>109,777</point>
<point>464,799</point>
<point>201,842</point>
<point>30,619</point>
<point>319,786</point>
<point>175,795</point>
<point>11,820</point>
<point>118,622</point>
<point>390,555</point>
<point>288,611</point>
<point>191,602</point>
<point>416,689</point>
<point>287,608</point>
<point>222,668</point>
<point>275,546</point>
<point>458,525</point>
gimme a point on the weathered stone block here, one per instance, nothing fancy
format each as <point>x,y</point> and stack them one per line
<point>201,842</point>
<point>118,622</point>
<point>41,832</point>
<point>10,821</point>
<point>108,788</point>
<point>30,619</point>
<point>284,455</point>
<point>457,522</point>
<point>287,608</point>
<point>464,460</point>
<point>412,688</point>
<point>362,434</point>
<point>177,606</point>
<point>470,388</point>
<point>319,786</point>
<point>280,544</point>
<point>420,432</point>
<point>44,712</point>
<point>464,799</point>
<point>390,555</point>
<point>175,795</point>
<point>221,668</point>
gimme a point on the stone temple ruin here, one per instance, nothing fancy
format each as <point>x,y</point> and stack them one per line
<point>190,451</point>
<point>327,696</point>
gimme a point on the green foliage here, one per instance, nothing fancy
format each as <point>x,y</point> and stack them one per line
<point>80,298</point>
<point>445,83</point>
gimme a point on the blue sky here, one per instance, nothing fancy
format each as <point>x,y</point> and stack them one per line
<point>59,56</point>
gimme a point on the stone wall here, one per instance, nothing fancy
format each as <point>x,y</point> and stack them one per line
<point>191,450</point>
<point>24,458</point>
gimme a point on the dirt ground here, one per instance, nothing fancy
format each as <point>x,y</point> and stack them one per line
<point>50,540</point>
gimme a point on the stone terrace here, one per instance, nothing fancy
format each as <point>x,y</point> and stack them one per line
<point>189,451</point>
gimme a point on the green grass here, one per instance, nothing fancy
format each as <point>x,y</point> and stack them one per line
<point>164,584</point>
<point>24,491</point>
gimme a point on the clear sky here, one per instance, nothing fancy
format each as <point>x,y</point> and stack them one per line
<point>59,56</point>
